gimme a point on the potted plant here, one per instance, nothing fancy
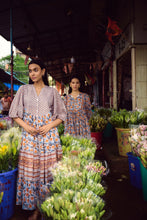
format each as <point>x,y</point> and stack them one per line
<point>97,126</point>
<point>122,121</point>
<point>124,118</point>
<point>9,151</point>
<point>106,113</point>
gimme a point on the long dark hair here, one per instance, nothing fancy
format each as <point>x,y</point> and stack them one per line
<point>42,66</point>
<point>75,76</point>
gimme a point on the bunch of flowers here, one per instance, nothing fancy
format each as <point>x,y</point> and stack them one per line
<point>78,146</point>
<point>138,141</point>
<point>124,118</point>
<point>72,175</point>
<point>97,123</point>
<point>83,205</point>
<point>96,167</point>
<point>104,112</point>
<point>77,187</point>
<point>9,149</point>
<point>3,125</point>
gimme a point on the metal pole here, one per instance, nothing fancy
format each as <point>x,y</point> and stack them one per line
<point>133,67</point>
<point>114,85</point>
<point>103,88</point>
<point>111,93</point>
<point>11,39</point>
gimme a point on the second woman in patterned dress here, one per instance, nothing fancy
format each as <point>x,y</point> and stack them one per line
<point>78,108</point>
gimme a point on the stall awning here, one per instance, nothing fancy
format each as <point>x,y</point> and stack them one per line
<point>5,77</point>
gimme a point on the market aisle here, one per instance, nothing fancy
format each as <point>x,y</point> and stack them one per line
<point>122,199</point>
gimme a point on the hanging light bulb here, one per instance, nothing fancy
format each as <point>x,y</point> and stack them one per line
<point>29,48</point>
<point>72,59</point>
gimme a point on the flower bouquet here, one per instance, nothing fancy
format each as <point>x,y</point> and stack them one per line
<point>97,123</point>
<point>122,121</point>
<point>9,149</point>
<point>138,141</point>
<point>70,204</point>
<point>104,112</point>
<point>124,118</point>
<point>73,175</point>
<point>97,126</point>
<point>81,147</point>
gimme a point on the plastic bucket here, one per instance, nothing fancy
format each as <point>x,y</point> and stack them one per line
<point>97,139</point>
<point>8,187</point>
<point>108,130</point>
<point>124,146</point>
<point>134,170</point>
<point>144,180</point>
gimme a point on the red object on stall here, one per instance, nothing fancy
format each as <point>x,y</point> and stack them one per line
<point>112,30</point>
<point>97,139</point>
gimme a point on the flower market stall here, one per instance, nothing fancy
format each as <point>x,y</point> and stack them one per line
<point>122,121</point>
<point>77,190</point>
<point>138,141</point>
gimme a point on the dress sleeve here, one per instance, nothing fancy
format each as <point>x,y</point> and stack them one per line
<point>59,110</point>
<point>87,106</point>
<point>17,105</point>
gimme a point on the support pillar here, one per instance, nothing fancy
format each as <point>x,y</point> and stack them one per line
<point>133,70</point>
<point>114,85</point>
<point>11,39</point>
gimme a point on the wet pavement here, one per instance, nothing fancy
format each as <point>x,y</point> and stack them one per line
<point>123,201</point>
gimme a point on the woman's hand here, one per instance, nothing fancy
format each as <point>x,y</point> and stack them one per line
<point>31,130</point>
<point>44,129</point>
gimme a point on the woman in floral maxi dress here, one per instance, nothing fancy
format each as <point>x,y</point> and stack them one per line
<point>38,109</point>
<point>79,111</point>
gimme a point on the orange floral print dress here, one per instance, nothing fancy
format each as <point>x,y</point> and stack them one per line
<point>37,153</point>
<point>78,115</point>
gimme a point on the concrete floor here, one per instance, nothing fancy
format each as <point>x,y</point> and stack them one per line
<point>123,201</point>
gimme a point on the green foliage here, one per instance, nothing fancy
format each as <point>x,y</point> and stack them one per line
<point>124,118</point>
<point>9,149</point>
<point>76,190</point>
<point>104,112</point>
<point>75,145</point>
<point>61,129</point>
<point>97,123</point>
<point>145,117</point>
<point>19,68</point>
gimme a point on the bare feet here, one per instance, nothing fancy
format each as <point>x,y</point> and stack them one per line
<point>35,215</point>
